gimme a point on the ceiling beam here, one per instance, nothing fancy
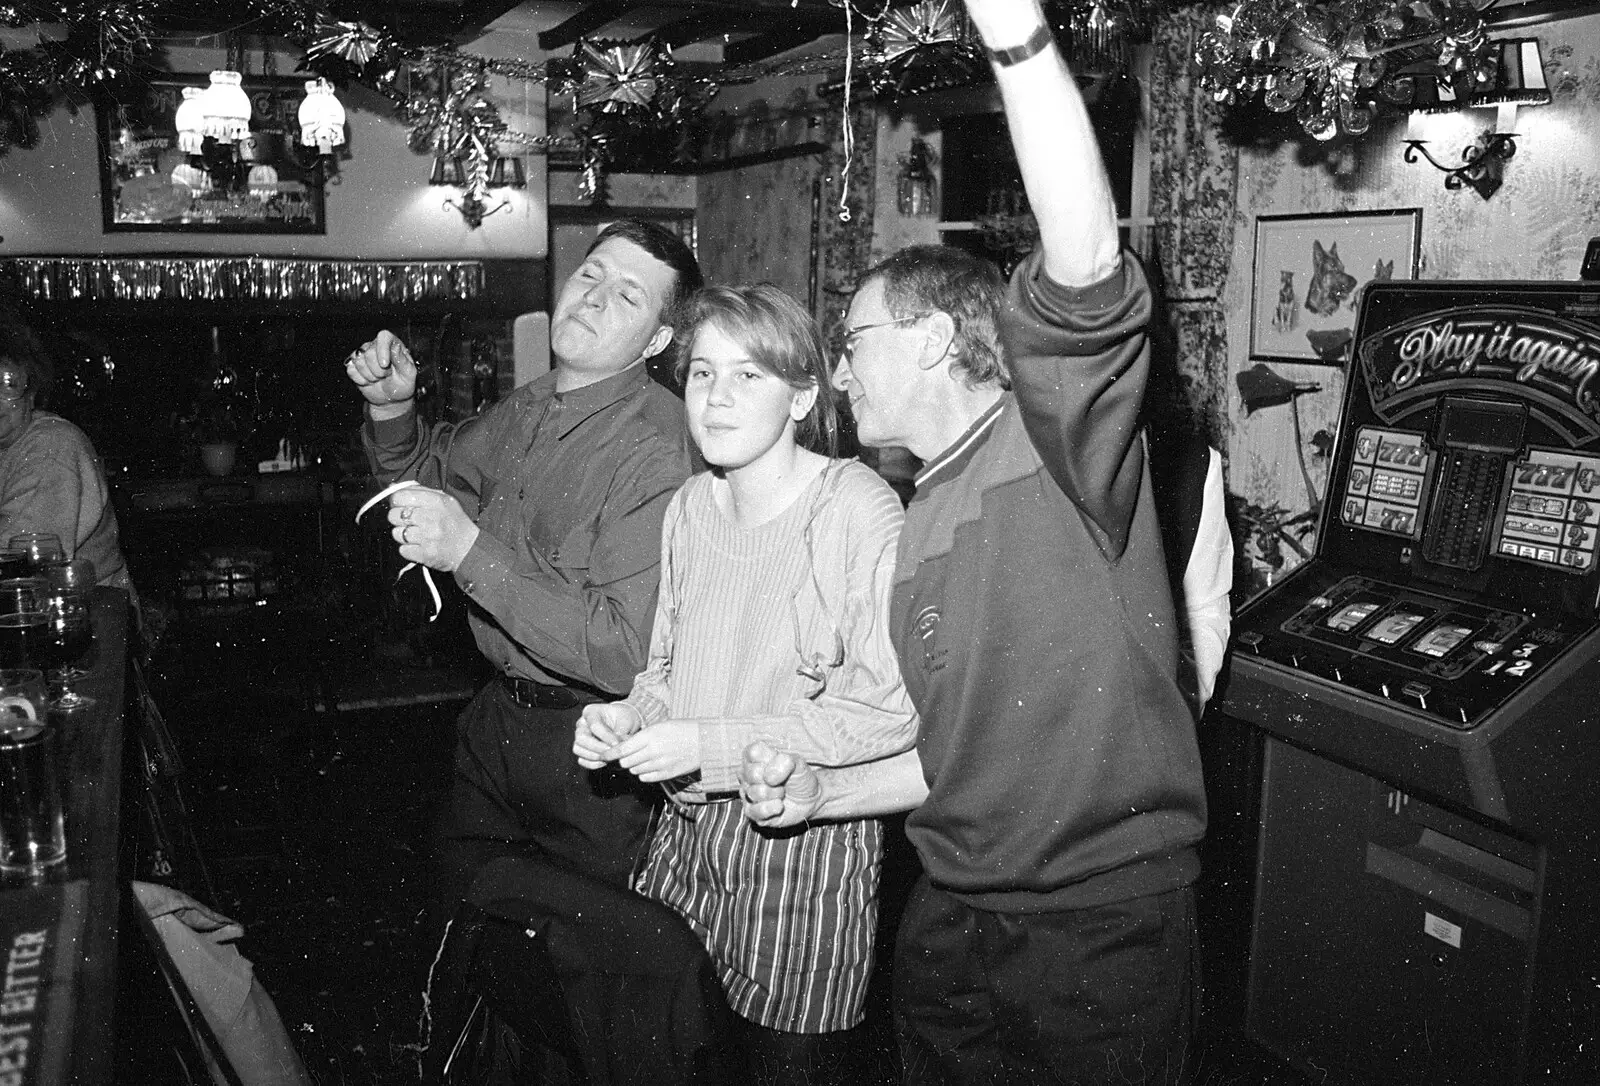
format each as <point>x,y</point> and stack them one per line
<point>762,46</point>
<point>693,28</point>
<point>1517,14</point>
<point>584,21</point>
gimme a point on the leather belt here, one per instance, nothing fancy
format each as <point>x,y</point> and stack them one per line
<point>532,695</point>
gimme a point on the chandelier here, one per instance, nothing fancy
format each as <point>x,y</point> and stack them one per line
<point>1334,63</point>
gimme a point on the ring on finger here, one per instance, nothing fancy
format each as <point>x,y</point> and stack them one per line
<point>405,535</point>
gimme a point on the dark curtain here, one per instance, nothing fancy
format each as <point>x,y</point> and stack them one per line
<point>1194,176</point>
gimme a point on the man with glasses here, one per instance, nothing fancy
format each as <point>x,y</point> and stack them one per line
<point>1055,792</point>
<point>51,479</point>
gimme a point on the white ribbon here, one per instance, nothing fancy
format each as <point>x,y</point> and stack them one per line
<point>427,574</point>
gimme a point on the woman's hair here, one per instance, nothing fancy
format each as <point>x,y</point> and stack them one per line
<point>781,338</point>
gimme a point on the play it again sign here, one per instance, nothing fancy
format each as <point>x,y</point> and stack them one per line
<point>1534,356</point>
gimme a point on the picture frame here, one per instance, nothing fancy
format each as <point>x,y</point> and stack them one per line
<point>263,185</point>
<point>1308,274</point>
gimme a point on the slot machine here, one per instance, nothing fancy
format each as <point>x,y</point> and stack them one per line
<point>1428,684</point>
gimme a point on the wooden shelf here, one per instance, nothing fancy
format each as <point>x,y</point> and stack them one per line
<point>736,162</point>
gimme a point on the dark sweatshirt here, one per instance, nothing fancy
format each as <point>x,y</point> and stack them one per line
<point>1035,629</point>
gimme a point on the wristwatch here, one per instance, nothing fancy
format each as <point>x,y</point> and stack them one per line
<point>1005,58</point>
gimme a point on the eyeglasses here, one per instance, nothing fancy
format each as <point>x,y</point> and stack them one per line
<point>848,341</point>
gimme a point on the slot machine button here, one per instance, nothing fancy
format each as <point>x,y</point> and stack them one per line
<point>1586,479</point>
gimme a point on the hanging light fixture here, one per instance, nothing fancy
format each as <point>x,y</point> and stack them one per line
<point>190,121</point>
<point>321,117</point>
<point>226,107</point>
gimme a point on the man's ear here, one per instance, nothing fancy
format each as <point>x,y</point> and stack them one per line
<point>938,339</point>
<point>658,342</point>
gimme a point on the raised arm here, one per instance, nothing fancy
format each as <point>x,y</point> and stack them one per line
<point>1062,172</point>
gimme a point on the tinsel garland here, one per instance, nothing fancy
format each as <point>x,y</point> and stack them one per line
<point>1331,63</point>
<point>80,49</point>
<point>1335,64</point>
<point>274,279</point>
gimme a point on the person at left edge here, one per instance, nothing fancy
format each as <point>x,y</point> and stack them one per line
<point>51,478</point>
<point>548,510</point>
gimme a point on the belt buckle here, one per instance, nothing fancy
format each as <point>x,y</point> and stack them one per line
<point>520,694</point>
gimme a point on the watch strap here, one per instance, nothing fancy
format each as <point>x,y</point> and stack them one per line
<point>1036,43</point>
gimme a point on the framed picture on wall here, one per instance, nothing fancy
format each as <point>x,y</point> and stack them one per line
<point>261,185</point>
<point>1309,271</point>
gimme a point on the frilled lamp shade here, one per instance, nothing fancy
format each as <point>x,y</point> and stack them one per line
<point>190,121</point>
<point>263,182</point>
<point>321,117</point>
<point>192,178</point>
<point>227,107</point>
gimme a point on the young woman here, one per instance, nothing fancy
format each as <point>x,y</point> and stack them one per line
<point>771,624</point>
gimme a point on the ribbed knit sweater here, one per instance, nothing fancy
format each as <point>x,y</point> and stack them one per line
<point>780,633</point>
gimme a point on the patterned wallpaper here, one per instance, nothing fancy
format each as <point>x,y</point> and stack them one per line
<point>1535,227</point>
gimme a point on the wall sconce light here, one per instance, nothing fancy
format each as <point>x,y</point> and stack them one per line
<point>1482,167</point>
<point>474,208</point>
<point>1519,81</point>
<point>505,171</point>
<point>916,181</point>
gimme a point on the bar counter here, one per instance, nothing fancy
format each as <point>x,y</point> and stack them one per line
<point>60,931</point>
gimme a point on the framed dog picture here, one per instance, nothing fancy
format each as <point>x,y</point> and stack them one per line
<point>1309,271</point>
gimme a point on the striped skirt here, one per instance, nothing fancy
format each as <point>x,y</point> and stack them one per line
<point>788,916</point>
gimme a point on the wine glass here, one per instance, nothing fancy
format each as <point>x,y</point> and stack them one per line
<point>68,636</point>
<point>41,548</point>
<point>76,573</point>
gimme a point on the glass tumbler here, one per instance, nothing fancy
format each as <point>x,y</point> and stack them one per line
<point>33,832</point>
<point>41,549</point>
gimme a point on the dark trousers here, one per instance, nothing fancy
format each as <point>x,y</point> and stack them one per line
<point>519,791</point>
<point>775,1057</point>
<point>1103,996</point>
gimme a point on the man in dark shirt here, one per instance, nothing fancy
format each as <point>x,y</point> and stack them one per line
<point>547,508</point>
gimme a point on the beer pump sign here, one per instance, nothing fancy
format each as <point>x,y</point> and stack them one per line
<point>1551,363</point>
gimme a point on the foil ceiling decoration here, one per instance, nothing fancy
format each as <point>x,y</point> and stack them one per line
<point>617,75</point>
<point>1334,64</point>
